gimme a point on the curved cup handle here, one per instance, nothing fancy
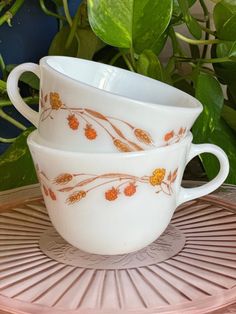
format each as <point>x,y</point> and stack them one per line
<point>14,95</point>
<point>187,194</point>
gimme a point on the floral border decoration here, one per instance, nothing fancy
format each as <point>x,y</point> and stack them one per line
<point>78,186</point>
<point>87,119</point>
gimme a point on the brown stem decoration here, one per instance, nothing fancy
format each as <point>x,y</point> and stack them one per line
<point>42,117</point>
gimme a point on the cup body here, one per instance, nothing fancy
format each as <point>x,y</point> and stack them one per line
<point>112,203</point>
<point>92,107</point>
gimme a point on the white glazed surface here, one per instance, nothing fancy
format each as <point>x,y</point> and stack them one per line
<point>115,94</point>
<point>98,224</point>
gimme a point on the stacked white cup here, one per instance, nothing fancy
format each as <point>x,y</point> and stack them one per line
<point>110,151</point>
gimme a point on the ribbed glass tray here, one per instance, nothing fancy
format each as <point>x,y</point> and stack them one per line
<point>190,269</point>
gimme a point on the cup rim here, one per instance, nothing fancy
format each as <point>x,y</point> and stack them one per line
<point>198,107</point>
<point>32,142</point>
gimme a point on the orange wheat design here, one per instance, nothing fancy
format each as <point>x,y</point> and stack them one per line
<point>115,184</point>
<point>91,120</point>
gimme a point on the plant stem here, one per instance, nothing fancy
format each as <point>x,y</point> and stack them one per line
<point>170,67</point>
<point>2,6</point>
<point>73,28</point>
<point>70,22</point>
<point>28,100</point>
<point>8,15</point>
<point>11,120</point>
<point>7,140</point>
<point>205,69</point>
<point>67,12</point>
<point>132,57</point>
<point>212,60</point>
<point>189,76</point>
<point>3,86</point>
<point>128,63</point>
<point>215,60</point>
<point>207,30</point>
<point>50,13</point>
<point>207,16</point>
<point>115,58</point>
<point>175,44</point>
<point>197,42</point>
<point>2,67</point>
<point>200,20</point>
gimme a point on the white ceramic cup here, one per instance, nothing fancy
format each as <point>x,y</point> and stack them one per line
<point>117,203</point>
<point>92,107</point>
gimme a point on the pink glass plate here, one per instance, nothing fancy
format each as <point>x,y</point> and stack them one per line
<point>190,269</point>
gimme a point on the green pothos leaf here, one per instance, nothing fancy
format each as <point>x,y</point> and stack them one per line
<point>148,64</point>
<point>16,166</point>
<point>58,44</point>
<point>210,128</point>
<point>134,24</point>
<point>209,93</point>
<point>224,137</point>
<point>229,115</point>
<point>225,19</point>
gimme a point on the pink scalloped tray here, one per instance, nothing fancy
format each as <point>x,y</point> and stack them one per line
<point>190,269</point>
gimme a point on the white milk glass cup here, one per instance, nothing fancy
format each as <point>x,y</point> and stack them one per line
<point>93,107</point>
<point>117,203</point>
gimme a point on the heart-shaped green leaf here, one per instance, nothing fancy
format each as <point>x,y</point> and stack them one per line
<point>176,8</point>
<point>58,44</point>
<point>229,115</point>
<point>225,19</point>
<point>130,23</point>
<point>228,31</point>
<point>194,27</point>
<point>190,21</point>
<point>210,128</point>
<point>226,71</point>
<point>226,49</point>
<point>16,166</point>
<point>224,137</point>
<point>223,11</point>
<point>148,64</point>
<point>89,43</point>
<point>209,93</point>
<point>177,12</point>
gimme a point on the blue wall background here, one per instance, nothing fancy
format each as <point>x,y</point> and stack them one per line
<point>27,40</point>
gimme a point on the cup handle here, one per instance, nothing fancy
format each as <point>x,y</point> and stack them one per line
<point>187,194</point>
<point>14,95</point>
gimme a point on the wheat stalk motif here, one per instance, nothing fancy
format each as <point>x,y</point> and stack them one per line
<point>88,120</point>
<point>78,186</point>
